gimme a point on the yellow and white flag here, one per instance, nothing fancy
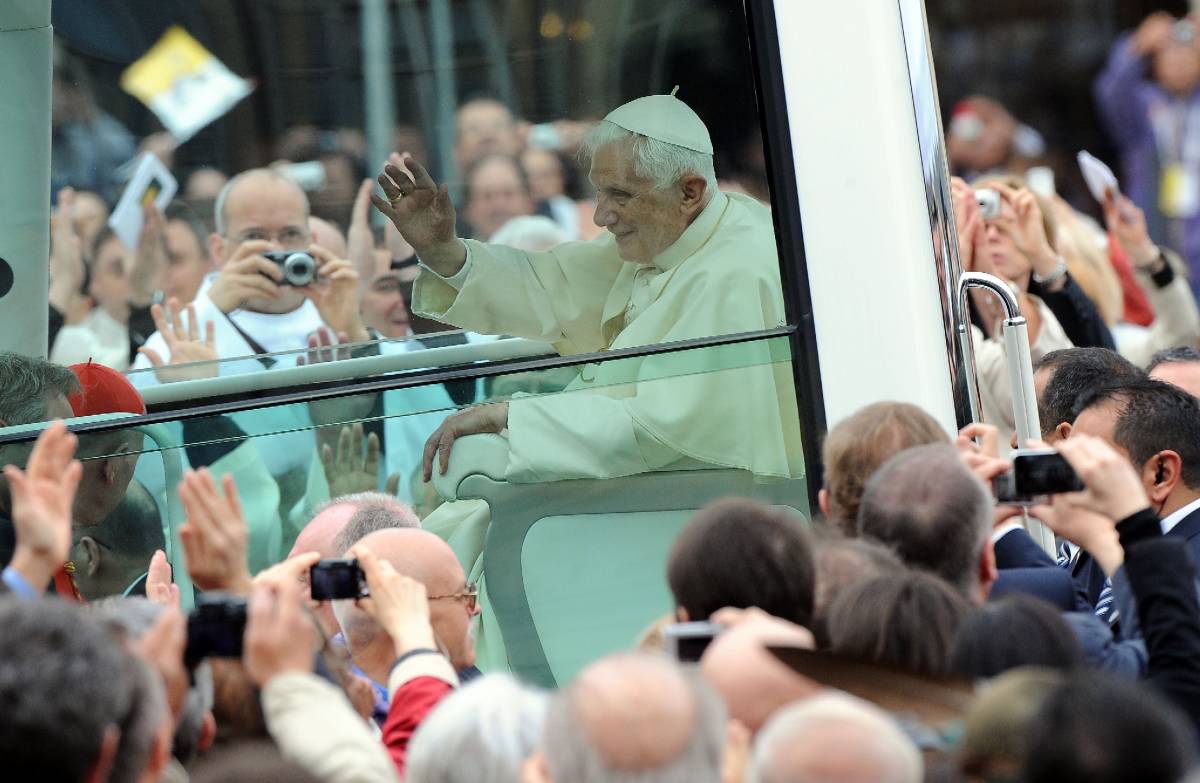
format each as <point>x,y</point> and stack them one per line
<point>184,84</point>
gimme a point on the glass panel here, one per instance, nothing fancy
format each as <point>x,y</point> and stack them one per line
<point>645,439</point>
<point>494,97</point>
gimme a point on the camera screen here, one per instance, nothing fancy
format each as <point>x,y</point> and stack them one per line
<point>1044,474</point>
<point>332,580</point>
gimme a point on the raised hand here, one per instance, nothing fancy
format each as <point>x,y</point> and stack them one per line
<point>335,294</point>
<point>1127,223</point>
<point>968,221</point>
<point>490,417</point>
<point>214,536</point>
<point>355,466</point>
<point>1029,230</point>
<point>162,647</point>
<point>360,241</point>
<point>422,212</point>
<point>66,254</point>
<point>246,275</point>
<point>150,259</point>
<point>397,602</point>
<point>1153,33</point>
<point>42,496</point>
<point>191,356</point>
<point>160,589</point>
<point>280,635</point>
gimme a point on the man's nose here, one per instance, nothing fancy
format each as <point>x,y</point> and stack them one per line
<point>603,216</point>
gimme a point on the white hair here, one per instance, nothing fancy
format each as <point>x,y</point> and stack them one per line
<point>659,161</point>
<point>529,232</point>
<point>480,734</point>
<point>878,743</point>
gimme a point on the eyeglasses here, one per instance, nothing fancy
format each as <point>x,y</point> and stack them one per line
<point>470,592</point>
<point>289,236</point>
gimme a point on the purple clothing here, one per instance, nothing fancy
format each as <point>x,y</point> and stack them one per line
<point>1128,99</point>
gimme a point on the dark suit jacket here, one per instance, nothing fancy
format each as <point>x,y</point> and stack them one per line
<point>1026,568</point>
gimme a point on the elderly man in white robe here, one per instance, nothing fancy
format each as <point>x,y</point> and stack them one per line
<point>680,260</point>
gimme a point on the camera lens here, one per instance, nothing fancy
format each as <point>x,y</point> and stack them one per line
<point>299,269</point>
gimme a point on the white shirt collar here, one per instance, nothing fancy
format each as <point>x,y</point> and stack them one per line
<point>1174,519</point>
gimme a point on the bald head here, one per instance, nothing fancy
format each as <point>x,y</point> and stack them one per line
<point>321,532</point>
<point>835,736</point>
<point>419,555</point>
<point>328,236</point>
<point>635,714</point>
<point>248,188</point>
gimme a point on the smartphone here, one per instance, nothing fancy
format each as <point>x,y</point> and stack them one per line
<point>989,203</point>
<point>215,627</point>
<point>686,642</point>
<point>335,579</point>
<point>1036,474</point>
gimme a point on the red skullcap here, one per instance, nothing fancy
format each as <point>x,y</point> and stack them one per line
<point>103,390</point>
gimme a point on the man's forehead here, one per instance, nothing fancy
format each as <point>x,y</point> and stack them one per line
<point>261,200</point>
<point>1098,421</point>
<point>613,164</point>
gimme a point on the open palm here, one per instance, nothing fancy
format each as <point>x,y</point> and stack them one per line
<point>43,493</point>
<point>419,208</point>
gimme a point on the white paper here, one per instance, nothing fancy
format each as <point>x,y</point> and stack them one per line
<point>1098,176</point>
<point>151,181</point>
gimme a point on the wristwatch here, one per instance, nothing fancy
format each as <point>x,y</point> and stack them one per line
<point>1060,269</point>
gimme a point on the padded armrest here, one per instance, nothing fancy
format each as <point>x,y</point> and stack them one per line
<point>471,455</point>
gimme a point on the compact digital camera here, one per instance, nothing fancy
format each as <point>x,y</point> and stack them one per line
<point>299,268</point>
<point>334,579</point>
<point>215,627</point>
<point>989,203</point>
<point>1036,474</point>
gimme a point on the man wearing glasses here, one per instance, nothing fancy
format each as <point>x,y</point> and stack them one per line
<point>252,309</point>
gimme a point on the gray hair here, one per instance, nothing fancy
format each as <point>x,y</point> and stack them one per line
<point>659,161</point>
<point>28,383</point>
<point>133,616</point>
<point>932,511</point>
<point>480,734</point>
<point>64,682</point>
<point>877,741</point>
<point>570,755</point>
<point>147,712</point>
<point>376,512</point>
<point>221,220</point>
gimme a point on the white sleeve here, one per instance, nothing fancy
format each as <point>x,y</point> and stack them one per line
<point>459,279</point>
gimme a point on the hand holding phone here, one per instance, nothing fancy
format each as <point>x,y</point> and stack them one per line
<point>1035,475</point>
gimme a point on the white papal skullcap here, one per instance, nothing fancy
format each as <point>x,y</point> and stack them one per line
<point>664,118</point>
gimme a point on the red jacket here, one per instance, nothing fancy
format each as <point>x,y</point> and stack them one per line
<point>411,703</point>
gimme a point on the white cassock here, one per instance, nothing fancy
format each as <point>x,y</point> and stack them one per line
<point>720,277</point>
<point>284,441</point>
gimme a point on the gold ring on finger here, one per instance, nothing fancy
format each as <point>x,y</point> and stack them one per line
<point>396,199</point>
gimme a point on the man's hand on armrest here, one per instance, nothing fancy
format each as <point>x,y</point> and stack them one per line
<point>42,497</point>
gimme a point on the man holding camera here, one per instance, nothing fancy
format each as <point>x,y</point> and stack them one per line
<point>252,305</point>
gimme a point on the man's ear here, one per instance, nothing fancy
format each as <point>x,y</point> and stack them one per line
<point>987,569</point>
<point>90,551</point>
<point>823,502</point>
<point>1063,430</point>
<point>216,250</point>
<point>693,189</point>
<point>681,615</point>
<point>1161,474</point>
<point>105,758</point>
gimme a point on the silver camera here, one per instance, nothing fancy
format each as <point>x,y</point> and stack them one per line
<point>299,268</point>
<point>989,203</point>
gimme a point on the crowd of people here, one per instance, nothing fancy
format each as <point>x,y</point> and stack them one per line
<point>912,630</point>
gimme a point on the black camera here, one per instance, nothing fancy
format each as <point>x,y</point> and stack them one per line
<point>334,579</point>
<point>299,268</point>
<point>215,627</point>
<point>686,642</point>
<point>1035,474</point>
